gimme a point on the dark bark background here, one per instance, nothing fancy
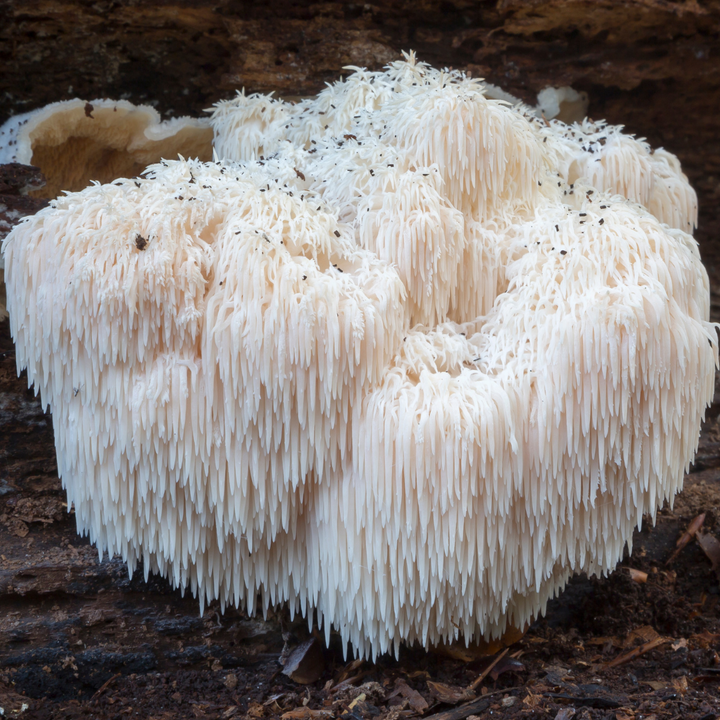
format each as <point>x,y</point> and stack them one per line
<point>79,639</point>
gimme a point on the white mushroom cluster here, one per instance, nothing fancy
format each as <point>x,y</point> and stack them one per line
<point>404,357</point>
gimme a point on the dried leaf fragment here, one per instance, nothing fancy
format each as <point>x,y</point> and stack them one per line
<point>359,699</point>
<point>704,640</point>
<point>680,685</point>
<point>655,684</point>
<point>348,671</point>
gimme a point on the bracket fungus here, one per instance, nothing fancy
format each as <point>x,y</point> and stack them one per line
<point>401,357</point>
<point>75,142</point>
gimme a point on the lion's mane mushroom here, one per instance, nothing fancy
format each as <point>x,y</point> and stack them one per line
<point>385,360</point>
<point>200,366</point>
<point>601,156</point>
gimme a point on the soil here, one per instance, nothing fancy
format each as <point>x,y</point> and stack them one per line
<point>79,638</point>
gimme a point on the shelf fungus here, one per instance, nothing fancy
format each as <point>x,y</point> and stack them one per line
<point>75,142</point>
<point>401,357</point>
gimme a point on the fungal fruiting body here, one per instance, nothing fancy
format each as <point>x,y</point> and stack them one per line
<point>75,141</point>
<point>401,356</point>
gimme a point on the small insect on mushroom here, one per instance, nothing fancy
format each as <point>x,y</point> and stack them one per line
<point>140,242</point>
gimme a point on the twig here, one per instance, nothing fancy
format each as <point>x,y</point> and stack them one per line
<point>105,686</point>
<point>687,536</point>
<point>470,708</point>
<point>636,652</point>
<point>487,670</point>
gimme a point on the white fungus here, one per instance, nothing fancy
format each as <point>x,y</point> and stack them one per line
<point>401,356</point>
<point>563,103</point>
<point>601,156</point>
<point>74,141</point>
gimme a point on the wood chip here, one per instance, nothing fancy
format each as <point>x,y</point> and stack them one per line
<point>304,713</point>
<point>416,701</point>
<point>711,547</point>
<point>474,706</point>
<point>507,664</point>
<point>17,527</point>
<point>637,575</point>
<point>643,634</point>
<point>655,684</point>
<point>704,640</point>
<point>305,664</point>
<point>450,694</point>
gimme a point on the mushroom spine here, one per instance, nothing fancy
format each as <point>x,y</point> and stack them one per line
<point>401,355</point>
